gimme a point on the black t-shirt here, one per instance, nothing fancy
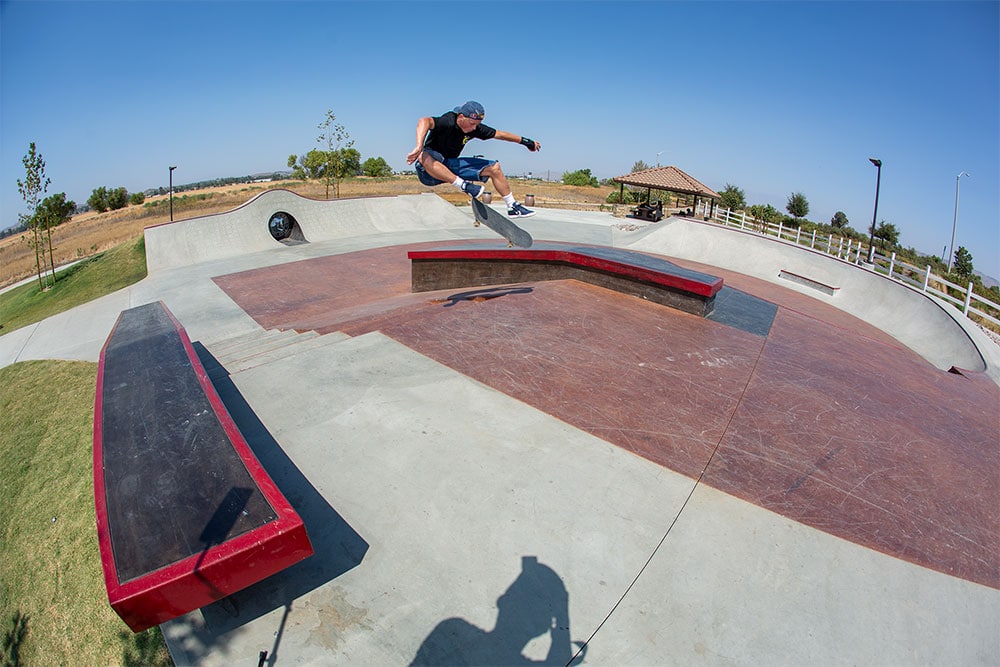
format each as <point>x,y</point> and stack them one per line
<point>448,139</point>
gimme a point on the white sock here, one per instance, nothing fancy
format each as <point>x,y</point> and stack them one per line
<point>509,199</point>
<point>458,182</point>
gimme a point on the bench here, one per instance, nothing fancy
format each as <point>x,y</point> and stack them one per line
<point>186,515</point>
<point>644,276</point>
<point>646,211</point>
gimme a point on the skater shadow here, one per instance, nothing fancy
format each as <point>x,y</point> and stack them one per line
<point>485,294</point>
<point>534,605</point>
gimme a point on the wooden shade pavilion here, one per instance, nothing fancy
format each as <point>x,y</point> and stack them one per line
<point>668,179</point>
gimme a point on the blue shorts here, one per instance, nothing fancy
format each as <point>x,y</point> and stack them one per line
<point>466,168</point>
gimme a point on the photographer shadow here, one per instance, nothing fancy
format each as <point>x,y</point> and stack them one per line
<point>534,605</point>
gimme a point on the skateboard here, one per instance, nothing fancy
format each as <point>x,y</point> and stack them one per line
<point>515,235</point>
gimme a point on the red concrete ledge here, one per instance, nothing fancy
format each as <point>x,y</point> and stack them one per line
<point>186,514</point>
<point>646,276</point>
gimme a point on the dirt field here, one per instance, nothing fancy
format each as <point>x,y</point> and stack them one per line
<point>90,233</point>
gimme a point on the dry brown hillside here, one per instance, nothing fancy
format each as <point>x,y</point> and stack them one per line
<point>90,233</point>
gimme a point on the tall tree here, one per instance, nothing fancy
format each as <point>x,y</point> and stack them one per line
<point>117,198</point>
<point>639,166</point>
<point>34,185</point>
<point>887,233</point>
<point>732,198</point>
<point>98,199</point>
<point>839,220</point>
<point>310,165</point>
<point>57,209</point>
<point>798,205</point>
<point>336,138</point>
<point>376,167</point>
<point>963,264</point>
<point>580,177</point>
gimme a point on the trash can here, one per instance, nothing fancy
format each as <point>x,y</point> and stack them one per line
<point>487,197</point>
<point>529,200</point>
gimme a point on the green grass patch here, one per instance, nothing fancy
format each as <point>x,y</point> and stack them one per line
<point>85,281</point>
<point>53,604</point>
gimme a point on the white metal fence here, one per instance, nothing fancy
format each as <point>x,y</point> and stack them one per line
<point>855,252</point>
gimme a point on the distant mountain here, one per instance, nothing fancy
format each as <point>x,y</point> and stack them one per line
<point>988,281</point>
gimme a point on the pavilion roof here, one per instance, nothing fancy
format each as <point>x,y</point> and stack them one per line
<point>670,179</point>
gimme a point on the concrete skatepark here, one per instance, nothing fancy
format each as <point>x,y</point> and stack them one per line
<point>680,489</point>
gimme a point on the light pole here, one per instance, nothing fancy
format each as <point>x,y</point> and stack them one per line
<point>954,225</point>
<point>878,184</point>
<point>172,193</point>
<point>658,158</point>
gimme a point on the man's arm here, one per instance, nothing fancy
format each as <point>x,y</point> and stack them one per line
<point>424,125</point>
<point>530,144</point>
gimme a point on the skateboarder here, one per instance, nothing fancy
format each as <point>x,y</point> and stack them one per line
<point>440,140</point>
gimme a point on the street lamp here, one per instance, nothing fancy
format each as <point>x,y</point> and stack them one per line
<point>878,183</point>
<point>954,225</point>
<point>172,193</point>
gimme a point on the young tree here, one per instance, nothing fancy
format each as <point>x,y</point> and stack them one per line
<point>52,212</point>
<point>963,264</point>
<point>337,139</point>
<point>765,213</point>
<point>797,205</point>
<point>839,220</point>
<point>732,198</point>
<point>34,185</point>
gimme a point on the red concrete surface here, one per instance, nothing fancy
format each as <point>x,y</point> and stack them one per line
<point>827,420</point>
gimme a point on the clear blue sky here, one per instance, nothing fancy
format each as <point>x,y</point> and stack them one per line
<point>773,97</point>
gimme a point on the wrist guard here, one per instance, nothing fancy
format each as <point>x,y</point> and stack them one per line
<point>529,143</point>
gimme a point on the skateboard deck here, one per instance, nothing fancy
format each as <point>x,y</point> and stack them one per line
<point>501,225</point>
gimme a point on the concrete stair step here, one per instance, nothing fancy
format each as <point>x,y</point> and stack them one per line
<point>305,342</point>
<point>263,344</point>
<point>244,339</point>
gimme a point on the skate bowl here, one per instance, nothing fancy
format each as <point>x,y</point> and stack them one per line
<point>926,325</point>
<point>246,230</point>
<point>812,491</point>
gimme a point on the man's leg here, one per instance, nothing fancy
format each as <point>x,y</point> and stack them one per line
<point>441,172</point>
<point>514,209</point>
<point>436,169</point>
<point>495,174</point>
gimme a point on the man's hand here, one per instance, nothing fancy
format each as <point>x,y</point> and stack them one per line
<point>531,144</point>
<point>412,156</point>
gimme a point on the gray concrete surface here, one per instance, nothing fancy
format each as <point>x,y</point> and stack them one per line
<point>423,490</point>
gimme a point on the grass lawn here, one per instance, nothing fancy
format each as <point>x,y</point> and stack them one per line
<point>102,274</point>
<point>53,605</point>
